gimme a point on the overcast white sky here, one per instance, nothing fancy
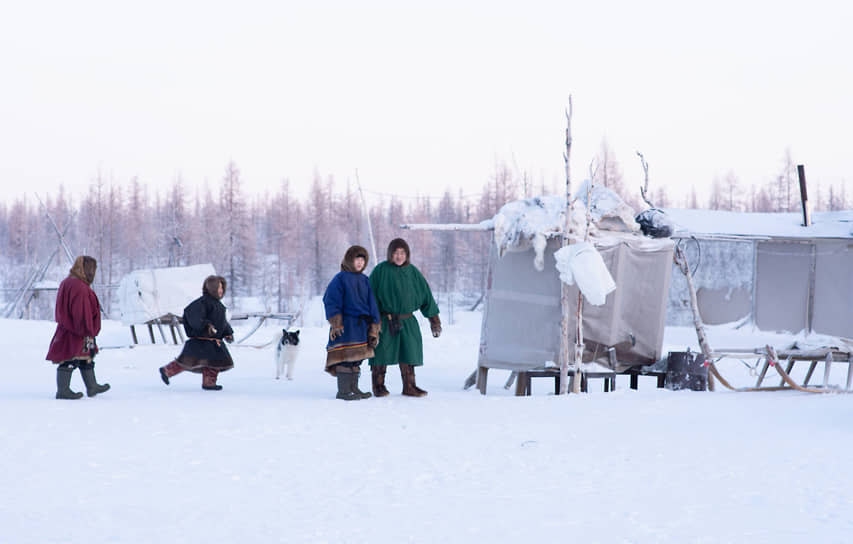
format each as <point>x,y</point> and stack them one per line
<point>420,96</point>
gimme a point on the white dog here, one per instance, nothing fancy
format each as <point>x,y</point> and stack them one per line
<point>287,348</point>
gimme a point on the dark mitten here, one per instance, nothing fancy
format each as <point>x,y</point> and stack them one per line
<point>435,325</point>
<point>373,334</point>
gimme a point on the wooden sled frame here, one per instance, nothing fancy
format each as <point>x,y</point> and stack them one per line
<point>771,359</point>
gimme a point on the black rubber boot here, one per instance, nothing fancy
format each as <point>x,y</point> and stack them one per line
<point>87,370</point>
<point>63,382</point>
<point>345,386</point>
<point>355,390</point>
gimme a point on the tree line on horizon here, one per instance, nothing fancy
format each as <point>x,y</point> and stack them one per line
<point>282,249</point>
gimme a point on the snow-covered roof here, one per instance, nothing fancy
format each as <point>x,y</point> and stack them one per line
<point>782,225</point>
<point>151,293</point>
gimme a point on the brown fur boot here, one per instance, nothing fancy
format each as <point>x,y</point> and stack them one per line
<point>377,375</point>
<point>208,379</point>
<point>410,389</point>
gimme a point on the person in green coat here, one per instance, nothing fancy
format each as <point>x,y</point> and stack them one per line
<point>400,290</point>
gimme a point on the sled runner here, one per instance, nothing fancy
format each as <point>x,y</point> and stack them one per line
<point>772,359</point>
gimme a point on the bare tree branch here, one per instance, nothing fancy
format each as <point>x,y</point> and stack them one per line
<point>644,189</point>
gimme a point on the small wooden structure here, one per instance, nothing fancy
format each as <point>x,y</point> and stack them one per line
<point>520,330</point>
<point>171,320</point>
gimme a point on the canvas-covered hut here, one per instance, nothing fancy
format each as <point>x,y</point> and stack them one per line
<point>766,269</point>
<point>522,315</point>
<point>157,296</point>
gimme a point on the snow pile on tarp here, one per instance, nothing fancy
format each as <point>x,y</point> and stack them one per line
<point>837,224</point>
<point>582,263</point>
<point>151,293</point>
<point>530,222</point>
<point>527,223</point>
<point>608,210</point>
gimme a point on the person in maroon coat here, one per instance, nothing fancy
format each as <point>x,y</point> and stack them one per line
<point>207,329</point>
<point>78,322</point>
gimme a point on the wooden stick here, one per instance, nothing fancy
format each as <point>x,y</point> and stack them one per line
<point>681,261</point>
<point>564,289</point>
<point>644,189</point>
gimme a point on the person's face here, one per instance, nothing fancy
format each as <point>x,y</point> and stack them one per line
<point>220,290</point>
<point>399,256</point>
<point>359,264</point>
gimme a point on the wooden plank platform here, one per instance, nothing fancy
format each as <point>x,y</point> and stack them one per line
<point>523,385</point>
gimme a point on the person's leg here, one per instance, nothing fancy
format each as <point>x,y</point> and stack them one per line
<point>344,373</point>
<point>87,370</point>
<point>170,370</point>
<point>354,385</point>
<point>63,381</point>
<point>208,379</point>
<point>377,375</point>
<point>410,388</point>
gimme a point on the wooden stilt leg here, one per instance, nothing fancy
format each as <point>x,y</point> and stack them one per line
<point>512,376</point>
<point>482,376</point>
<point>788,368</point>
<point>812,366</point>
<point>762,373</point>
<point>522,384</point>
<point>826,369</point>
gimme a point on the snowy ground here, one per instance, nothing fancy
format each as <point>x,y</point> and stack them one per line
<point>277,461</point>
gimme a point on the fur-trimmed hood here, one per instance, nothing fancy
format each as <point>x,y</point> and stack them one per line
<point>84,268</point>
<point>348,264</point>
<point>398,243</point>
<point>210,285</point>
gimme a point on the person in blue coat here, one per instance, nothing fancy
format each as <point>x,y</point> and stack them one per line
<point>354,323</point>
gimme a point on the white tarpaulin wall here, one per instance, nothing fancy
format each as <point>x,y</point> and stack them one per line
<point>148,294</point>
<point>521,321</point>
<point>767,269</point>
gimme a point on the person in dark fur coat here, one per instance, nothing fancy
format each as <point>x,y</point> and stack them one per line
<point>78,322</point>
<point>353,323</point>
<point>401,290</point>
<point>207,331</point>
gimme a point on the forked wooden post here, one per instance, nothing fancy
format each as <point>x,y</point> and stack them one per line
<point>683,265</point>
<point>564,289</point>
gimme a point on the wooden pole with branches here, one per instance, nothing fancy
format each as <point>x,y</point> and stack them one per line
<point>644,189</point>
<point>576,385</point>
<point>566,240</point>
<point>681,261</point>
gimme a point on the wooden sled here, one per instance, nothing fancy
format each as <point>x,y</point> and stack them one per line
<point>772,359</point>
<point>262,317</point>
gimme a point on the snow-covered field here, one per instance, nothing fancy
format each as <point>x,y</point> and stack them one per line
<point>278,461</point>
